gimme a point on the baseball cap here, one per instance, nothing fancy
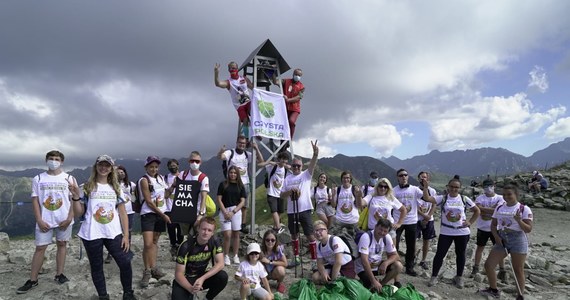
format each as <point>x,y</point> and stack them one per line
<point>488,182</point>
<point>105,158</point>
<point>152,159</point>
<point>373,174</point>
<point>253,247</point>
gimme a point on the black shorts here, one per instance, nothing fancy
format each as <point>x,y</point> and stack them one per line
<point>367,282</point>
<point>276,204</point>
<point>305,220</point>
<point>428,232</point>
<point>152,222</point>
<point>483,237</point>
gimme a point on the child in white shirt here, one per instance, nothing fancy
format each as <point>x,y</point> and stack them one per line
<point>251,273</point>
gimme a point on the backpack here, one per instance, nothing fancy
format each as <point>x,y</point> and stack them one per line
<point>315,192</point>
<point>444,200</point>
<point>268,177</point>
<point>139,198</point>
<point>226,163</point>
<point>365,190</point>
<point>212,208</point>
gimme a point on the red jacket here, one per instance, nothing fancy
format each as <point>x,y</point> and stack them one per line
<point>291,89</point>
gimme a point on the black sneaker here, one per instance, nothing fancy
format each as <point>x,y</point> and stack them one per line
<point>27,286</point>
<point>490,292</point>
<point>105,297</point>
<point>61,279</point>
<point>397,284</point>
<point>411,272</point>
<point>424,265</point>
<point>129,296</point>
<point>244,229</point>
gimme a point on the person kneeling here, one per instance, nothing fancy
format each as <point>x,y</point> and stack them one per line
<point>333,256</point>
<point>371,246</point>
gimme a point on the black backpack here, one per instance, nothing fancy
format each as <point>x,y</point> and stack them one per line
<point>139,199</point>
<point>268,177</point>
<point>226,163</point>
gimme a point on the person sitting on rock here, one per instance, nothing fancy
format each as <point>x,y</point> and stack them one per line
<point>333,257</point>
<point>274,259</point>
<point>539,185</point>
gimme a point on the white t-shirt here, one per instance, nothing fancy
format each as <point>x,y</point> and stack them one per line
<point>425,206</point>
<point>505,216</point>
<point>380,207</point>
<point>409,197</point>
<point>484,220</point>
<point>453,214</point>
<point>128,193</point>
<point>53,197</point>
<point>346,210</point>
<point>367,190</point>
<point>374,250</point>
<point>252,272</point>
<point>157,196</point>
<point>321,194</point>
<point>101,215</point>
<point>328,254</point>
<point>204,187</point>
<point>276,181</point>
<point>170,178</point>
<point>237,85</point>
<point>241,161</point>
<point>303,183</point>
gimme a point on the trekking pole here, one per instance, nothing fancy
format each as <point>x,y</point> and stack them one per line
<point>294,233</point>
<point>513,269</point>
<point>299,237</point>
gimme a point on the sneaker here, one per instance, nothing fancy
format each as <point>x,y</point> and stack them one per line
<point>145,278</point>
<point>397,284</point>
<point>519,297</point>
<point>489,292</point>
<point>227,261</point>
<point>129,296</point>
<point>474,271</point>
<point>502,275</point>
<point>424,265</point>
<point>433,281</point>
<point>281,288</point>
<point>236,260</point>
<point>411,272</point>
<point>61,279</point>
<point>156,273</point>
<point>105,297</point>
<point>27,286</point>
<point>108,259</point>
<point>458,280</point>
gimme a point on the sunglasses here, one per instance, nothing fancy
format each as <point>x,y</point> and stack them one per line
<point>402,175</point>
<point>270,240</point>
<point>295,166</point>
<point>383,187</point>
<point>196,161</point>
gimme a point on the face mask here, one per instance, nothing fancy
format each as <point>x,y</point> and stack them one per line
<point>296,78</point>
<point>173,170</point>
<point>234,74</point>
<point>53,164</point>
<point>194,166</point>
<point>373,181</point>
<point>489,189</point>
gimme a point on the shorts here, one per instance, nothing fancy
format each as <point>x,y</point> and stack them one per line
<point>45,238</point>
<point>276,204</point>
<point>152,222</point>
<point>325,208</point>
<point>366,281</point>
<point>233,224</point>
<point>305,220</point>
<point>346,270</point>
<point>247,193</point>
<point>513,241</point>
<point>427,232</point>
<point>483,236</point>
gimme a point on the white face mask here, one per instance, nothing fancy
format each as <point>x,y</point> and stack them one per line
<point>373,181</point>
<point>489,190</point>
<point>194,166</point>
<point>296,78</point>
<point>53,164</point>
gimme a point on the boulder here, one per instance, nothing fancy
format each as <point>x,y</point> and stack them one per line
<point>4,243</point>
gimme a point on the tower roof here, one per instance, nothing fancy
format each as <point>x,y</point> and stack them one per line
<point>267,49</point>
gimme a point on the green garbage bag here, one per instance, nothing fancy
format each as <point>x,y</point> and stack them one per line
<point>277,296</point>
<point>387,292</point>
<point>407,292</point>
<point>332,291</point>
<point>354,290</point>
<point>375,296</point>
<point>303,290</point>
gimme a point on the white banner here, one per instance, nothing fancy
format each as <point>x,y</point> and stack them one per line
<point>269,115</point>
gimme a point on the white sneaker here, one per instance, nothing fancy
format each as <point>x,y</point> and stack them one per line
<point>236,260</point>
<point>227,260</point>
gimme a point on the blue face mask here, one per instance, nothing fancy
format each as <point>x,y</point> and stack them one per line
<point>373,181</point>
<point>296,78</point>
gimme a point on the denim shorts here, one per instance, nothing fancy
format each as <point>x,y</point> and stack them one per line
<point>513,241</point>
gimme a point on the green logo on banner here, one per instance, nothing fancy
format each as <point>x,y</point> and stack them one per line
<point>265,108</point>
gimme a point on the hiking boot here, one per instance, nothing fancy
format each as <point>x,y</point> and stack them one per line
<point>433,281</point>
<point>281,288</point>
<point>424,265</point>
<point>458,280</point>
<point>108,259</point>
<point>105,297</point>
<point>397,284</point>
<point>227,261</point>
<point>236,260</point>
<point>156,273</point>
<point>502,275</point>
<point>27,286</point>
<point>145,278</point>
<point>490,292</point>
<point>61,279</point>
<point>129,296</point>
<point>411,272</point>
<point>475,270</point>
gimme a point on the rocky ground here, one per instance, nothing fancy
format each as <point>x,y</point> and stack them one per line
<point>547,270</point>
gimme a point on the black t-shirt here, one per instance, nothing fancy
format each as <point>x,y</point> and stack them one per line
<point>197,257</point>
<point>231,195</point>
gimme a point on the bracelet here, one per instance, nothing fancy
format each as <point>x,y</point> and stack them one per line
<point>73,199</point>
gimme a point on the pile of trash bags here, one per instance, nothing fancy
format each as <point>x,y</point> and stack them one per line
<point>350,289</point>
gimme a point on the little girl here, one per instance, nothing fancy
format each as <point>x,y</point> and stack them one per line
<point>251,273</point>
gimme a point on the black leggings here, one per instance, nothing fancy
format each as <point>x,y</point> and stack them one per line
<point>410,242</point>
<point>174,233</point>
<point>443,244</point>
<point>214,285</point>
<point>94,250</point>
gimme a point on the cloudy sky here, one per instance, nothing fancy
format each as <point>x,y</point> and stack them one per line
<point>133,78</point>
